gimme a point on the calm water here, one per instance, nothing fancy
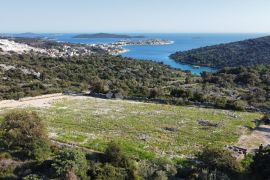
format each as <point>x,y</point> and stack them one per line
<point>161,53</point>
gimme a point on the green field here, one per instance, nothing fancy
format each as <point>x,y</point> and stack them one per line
<point>144,130</point>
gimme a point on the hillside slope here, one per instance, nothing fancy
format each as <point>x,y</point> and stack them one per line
<point>246,53</point>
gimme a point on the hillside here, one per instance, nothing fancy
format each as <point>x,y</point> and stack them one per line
<point>30,75</point>
<point>106,35</point>
<point>243,53</point>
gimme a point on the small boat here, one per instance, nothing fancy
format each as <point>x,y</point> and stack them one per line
<point>196,67</point>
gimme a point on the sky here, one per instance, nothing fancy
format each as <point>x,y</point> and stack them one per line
<point>159,16</point>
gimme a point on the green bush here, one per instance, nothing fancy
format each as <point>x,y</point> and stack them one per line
<point>70,160</point>
<point>106,171</point>
<point>6,170</point>
<point>117,158</point>
<point>32,177</point>
<point>218,159</point>
<point>25,132</point>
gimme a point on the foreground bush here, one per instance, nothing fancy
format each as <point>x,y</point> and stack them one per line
<point>70,162</point>
<point>25,133</point>
<point>107,171</point>
<point>215,160</point>
<point>260,167</point>
<point>115,156</point>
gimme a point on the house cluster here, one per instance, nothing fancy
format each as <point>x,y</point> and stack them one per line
<point>115,48</point>
<point>67,51</point>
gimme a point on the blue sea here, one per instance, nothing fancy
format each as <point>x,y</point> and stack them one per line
<point>160,53</point>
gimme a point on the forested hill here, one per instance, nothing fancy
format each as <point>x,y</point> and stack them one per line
<point>247,53</point>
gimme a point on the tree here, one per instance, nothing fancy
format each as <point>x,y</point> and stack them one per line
<point>69,161</point>
<point>25,132</point>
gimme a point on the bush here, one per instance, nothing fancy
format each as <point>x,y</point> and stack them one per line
<point>218,159</point>
<point>116,157</point>
<point>25,132</point>
<point>70,161</point>
<point>237,105</point>
<point>107,171</point>
<point>260,167</point>
<point>154,93</point>
<point>7,168</point>
<point>33,177</point>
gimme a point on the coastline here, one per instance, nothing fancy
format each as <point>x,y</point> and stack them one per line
<point>117,48</point>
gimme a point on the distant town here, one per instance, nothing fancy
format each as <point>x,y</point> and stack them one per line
<point>118,47</point>
<point>20,46</point>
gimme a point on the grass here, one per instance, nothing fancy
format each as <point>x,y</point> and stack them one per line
<point>145,131</point>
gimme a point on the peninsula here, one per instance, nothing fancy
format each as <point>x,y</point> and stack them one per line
<point>249,52</point>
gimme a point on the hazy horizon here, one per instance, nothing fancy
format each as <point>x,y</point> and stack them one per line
<point>140,16</point>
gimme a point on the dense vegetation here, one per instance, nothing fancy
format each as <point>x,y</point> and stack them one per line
<point>113,163</point>
<point>101,72</point>
<point>252,83</point>
<point>247,53</point>
<point>230,88</point>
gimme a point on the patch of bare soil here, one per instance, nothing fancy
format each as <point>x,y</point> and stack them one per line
<point>251,142</point>
<point>43,101</point>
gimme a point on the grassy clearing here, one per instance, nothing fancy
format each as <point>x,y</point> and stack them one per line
<point>143,130</point>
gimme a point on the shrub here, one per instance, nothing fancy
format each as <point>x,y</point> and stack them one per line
<point>70,161</point>
<point>116,157</point>
<point>25,132</point>
<point>32,177</point>
<point>237,105</point>
<point>260,167</point>
<point>218,159</point>
<point>107,171</point>
<point>154,93</point>
<point>7,168</point>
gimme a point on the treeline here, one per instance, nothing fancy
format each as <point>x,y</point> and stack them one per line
<point>27,153</point>
<point>246,53</point>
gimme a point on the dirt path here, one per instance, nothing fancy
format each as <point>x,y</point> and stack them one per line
<point>261,135</point>
<point>39,101</point>
<point>43,101</point>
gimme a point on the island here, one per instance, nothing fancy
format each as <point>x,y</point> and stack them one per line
<point>106,35</point>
